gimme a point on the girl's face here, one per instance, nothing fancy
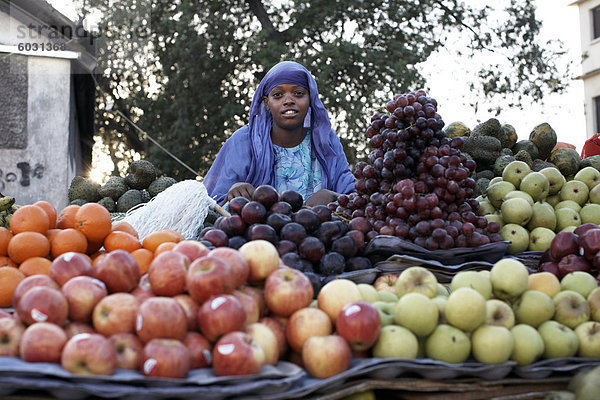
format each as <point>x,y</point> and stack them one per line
<point>288,104</point>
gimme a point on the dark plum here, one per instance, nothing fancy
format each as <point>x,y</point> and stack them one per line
<point>359,239</point>
<point>278,221</point>
<point>235,242</point>
<point>315,280</point>
<point>286,246</point>
<point>307,266</point>
<point>360,224</point>
<point>292,260</point>
<point>204,230</point>
<point>254,213</point>
<point>262,232</point>
<point>322,212</point>
<point>266,195</point>
<point>208,244</point>
<point>292,197</point>
<point>311,249</point>
<point>308,219</point>
<point>327,231</point>
<point>233,225</point>
<point>345,246</point>
<point>332,263</point>
<point>281,207</point>
<point>217,237</point>
<point>357,263</point>
<point>236,204</point>
<point>293,232</point>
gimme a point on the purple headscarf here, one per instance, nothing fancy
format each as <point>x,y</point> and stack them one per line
<point>248,156</point>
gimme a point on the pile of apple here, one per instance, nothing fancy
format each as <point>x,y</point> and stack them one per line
<point>531,207</point>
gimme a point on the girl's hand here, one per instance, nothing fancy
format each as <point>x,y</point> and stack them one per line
<point>240,189</point>
<point>323,196</point>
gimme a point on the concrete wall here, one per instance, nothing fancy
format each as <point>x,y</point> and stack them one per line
<point>590,50</point>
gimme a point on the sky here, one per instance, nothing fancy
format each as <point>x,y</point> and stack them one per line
<point>444,74</point>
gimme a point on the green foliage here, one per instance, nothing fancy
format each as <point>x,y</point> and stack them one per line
<point>188,80</point>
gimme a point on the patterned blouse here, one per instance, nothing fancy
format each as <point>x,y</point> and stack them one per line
<point>297,168</point>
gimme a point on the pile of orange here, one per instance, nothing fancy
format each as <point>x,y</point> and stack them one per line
<point>38,234</point>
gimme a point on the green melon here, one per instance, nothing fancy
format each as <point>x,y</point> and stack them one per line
<point>510,136</point>
<point>566,160</point>
<point>528,146</point>
<point>457,129</point>
<point>544,137</point>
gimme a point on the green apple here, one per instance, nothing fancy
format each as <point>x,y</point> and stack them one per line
<point>536,185</point>
<point>590,213</point>
<point>509,278</point>
<point>588,334</point>
<point>492,344</point>
<point>566,217</point>
<point>474,280</point>
<point>544,282</point>
<point>533,308</point>
<point>497,191</point>
<point>588,175</point>
<point>396,341</point>
<point>387,296</point>
<point>495,218</point>
<point>567,204</point>
<point>595,195</point>
<point>528,344</point>
<point>440,302</point>
<point>588,387</point>
<point>517,236</point>
<point>553,200</point>
<point>543,216</point>
<point>579,281</point>
<point>386,312</point>
<point>449,344</point>
<point>485,207</point>
<point>499,313</point>
<point>416,279</point>
<point>519,194</point>
<point>417,313</point>
<point>576,191</point>
<point>368,292</point>
<point>559,340</point>
<point>495,179</point>
<point>556,180</point>
<point>442,290</point>
<point>516,211</point>
<point>593,300</point>
<point>571,307</point>
<point>515,171</point>
<point>540,239</point>
<point>465,309</point>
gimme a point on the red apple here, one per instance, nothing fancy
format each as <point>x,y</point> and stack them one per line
<point>199,349</point>
<point>258,294</point>
<point>167,272</point>
<point>11,331</point>
<point>43,304</point>
<point>326,356</point>
<point>191,248</point>
<point>596,261</point>
<point>590,243</point>
<point>583,228</point>
<point>573,262</point>
<point>4,313</point>
<point>128,348</point>
<point>237,353</point>
<point>190,307</point>
<point>75,328</point>
<point>208,276</point>
<point>239,266</point>
<point>29,282</point>
<point>69,265</point>
<point>306,323</point>
<point>386,282</point>
<point>220,315</point>
<point>143,291</point>
<point>249,303</point>
<point>115,313</point>
<point>160,317</point>
<point>118,270</point>
<point>563,244</point>
<point>551,267</point>
<point>546,257</point>
<point>89,354</point>
<point>279,330</point>
<point>359,323</point>
<point>262,258</point>
<point>42,342</point>
<point>287,290</point>
<point>165,358</point>
<point>266,339</point>
<point>82,294</point>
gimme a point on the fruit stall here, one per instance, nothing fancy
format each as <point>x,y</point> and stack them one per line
<point>465,265</point>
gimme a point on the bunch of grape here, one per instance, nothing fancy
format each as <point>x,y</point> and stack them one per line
<point>417,184</point>
<point>310,239</point>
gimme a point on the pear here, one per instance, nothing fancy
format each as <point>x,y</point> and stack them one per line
<point>588,175</point>
<point>567,217</point>
<point>575,190</point>
<point>536,185</point>
<point>515,171</point>
<point>590,213</point>
<point>540,239</point>
<point>568,204</point>
<point>495,179</point>
<point>517,235</point>
<point>519,194</point>
<point>543,216</point>
<point>485,207</point>
<point>553,200</point>
<point>516,211</point>
<point>555,179</point>
<point>595,195</point>
<point>495,218</point>
<point>497,191</point>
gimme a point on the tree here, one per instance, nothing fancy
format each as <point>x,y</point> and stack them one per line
<point>188,80</point>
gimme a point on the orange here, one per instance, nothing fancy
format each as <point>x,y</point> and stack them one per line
<point>121,240</point>
<point>9,279</point>
<point>29,218</point>
<point>93,247</point>
<point>5,236</point>
<point>153,240</point>
<point>7,262</point>
<point>66,240</point>
<point>124,226</point>
<point>51,233</point>
<point>166,246</point>
<point>93,220</point>
<point>35,266</point>
<point>26,245</point>
<point>144,258</point>
<point>66,218</point>
<point>50,211</point>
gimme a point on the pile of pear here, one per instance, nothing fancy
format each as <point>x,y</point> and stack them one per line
<point>531,207</point>
<point>492,316</point>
